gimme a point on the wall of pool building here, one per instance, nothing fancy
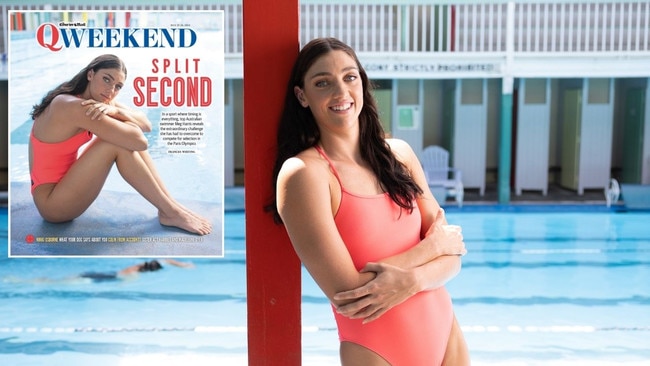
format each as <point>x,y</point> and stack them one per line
<point>528,97</point>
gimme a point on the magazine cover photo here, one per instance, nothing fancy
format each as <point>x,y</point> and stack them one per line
<point>116,127</point>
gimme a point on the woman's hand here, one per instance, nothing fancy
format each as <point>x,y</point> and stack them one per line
<point>393,285</point>
<point>390,287</point>
<point>448,239</point>
<point>96,109</point>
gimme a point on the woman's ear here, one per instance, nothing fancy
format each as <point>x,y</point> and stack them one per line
<point>300,94</point>
<point>90,74</point>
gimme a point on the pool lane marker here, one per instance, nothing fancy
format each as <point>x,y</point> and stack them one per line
<point>315,329</point>
<point>562,251</point>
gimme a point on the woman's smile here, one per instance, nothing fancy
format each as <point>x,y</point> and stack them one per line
<point>342,107</point>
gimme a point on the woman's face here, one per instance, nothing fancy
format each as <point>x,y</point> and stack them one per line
<point>105,84</point>
<point>333,90</point>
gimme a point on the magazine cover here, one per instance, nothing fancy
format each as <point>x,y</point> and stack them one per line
<point>116,128</point>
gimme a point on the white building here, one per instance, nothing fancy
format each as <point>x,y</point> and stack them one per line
<point>550,92</point>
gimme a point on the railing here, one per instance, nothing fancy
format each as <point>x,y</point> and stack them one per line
<point>459,26</point>
<point>571,26</point>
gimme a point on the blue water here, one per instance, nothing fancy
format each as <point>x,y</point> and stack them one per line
<point>536,288</point>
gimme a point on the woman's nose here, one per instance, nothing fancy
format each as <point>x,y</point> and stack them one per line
<point>112,89</point>
<point>339,89</point>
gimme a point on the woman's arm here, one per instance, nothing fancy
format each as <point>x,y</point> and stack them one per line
<point>428,265</point>
<point>118,111</point>
<point>436,259</point>
<point>125,134</point>
<point>304,204</point>
<point>177,263</point>
<point>438,237</point>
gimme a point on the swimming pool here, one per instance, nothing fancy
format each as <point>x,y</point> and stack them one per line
<point>548,287</point>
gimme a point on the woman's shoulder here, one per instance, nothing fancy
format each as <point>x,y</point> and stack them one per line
<point>306,166</point>
<point>402,150</point>
<point>66,98</point>
<point>65,101</point>
<point>62,110</point>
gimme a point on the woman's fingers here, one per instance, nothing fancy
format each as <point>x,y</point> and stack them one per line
<point>95,108</point>
<point>98,111</point>
<point>375,315</point>
<point>354,294</point>
<point>352,309</point>
<point>391,286</point>
<point>365,309</point>
<point>454,238</point>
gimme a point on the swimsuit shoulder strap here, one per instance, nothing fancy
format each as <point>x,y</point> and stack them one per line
<point>336,174</point>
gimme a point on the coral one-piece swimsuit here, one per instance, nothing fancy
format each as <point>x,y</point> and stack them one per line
<point>51,161</point>
<point>415,332</point>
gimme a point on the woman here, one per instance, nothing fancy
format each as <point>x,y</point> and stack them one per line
<point>133,271</point>
<point>361,218</point>
<point>128,273</point>
<point>64,182</point>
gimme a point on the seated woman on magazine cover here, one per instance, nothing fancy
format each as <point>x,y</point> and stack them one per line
<point>66,180</point>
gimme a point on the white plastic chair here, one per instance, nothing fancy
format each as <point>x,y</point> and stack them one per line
<point>435,162</point>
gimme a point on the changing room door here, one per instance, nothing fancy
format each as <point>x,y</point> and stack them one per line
<point>470,132</point>
<point>634,118</point>
<point>571,138</point>
<point>407,113</point>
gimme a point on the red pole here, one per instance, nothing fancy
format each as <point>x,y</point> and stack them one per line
<point>271,43</point>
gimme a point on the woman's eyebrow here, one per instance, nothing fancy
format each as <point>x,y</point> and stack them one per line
<point>325,73</point>
<point>109,75</point>
<point>319,74</point>
<point>113,78</point>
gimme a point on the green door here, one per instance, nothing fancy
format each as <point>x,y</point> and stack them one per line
<point>571,124</point>
<point>633,135</point>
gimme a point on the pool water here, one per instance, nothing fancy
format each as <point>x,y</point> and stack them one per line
<point>536,288</point>
<point>555,286</point>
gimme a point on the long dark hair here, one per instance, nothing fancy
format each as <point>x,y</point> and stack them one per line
<point>298,130</point>
<point>79,82</point>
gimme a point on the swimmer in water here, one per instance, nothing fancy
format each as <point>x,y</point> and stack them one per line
<point>128,273</point>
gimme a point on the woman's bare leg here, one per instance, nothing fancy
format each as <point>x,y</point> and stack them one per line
<point>135,170</point>
<point>353,354</point>
<point>78,189</point>
<point>146,157</point>
<point>457,353</point>
<point>81,185</point>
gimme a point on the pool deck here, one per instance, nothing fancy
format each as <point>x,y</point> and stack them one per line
<point>557,197</point>
<point>117,224</point>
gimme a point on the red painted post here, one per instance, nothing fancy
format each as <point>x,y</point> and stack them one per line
<point>271,43</point>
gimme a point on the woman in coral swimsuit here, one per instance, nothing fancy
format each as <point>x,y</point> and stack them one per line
<point>65,182</point>
<point>361,218</point>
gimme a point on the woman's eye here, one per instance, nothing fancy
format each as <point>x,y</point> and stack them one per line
<point>118,87</point>
<point>321,83</point>
<point>107,80</point>
<point>351,77</point>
